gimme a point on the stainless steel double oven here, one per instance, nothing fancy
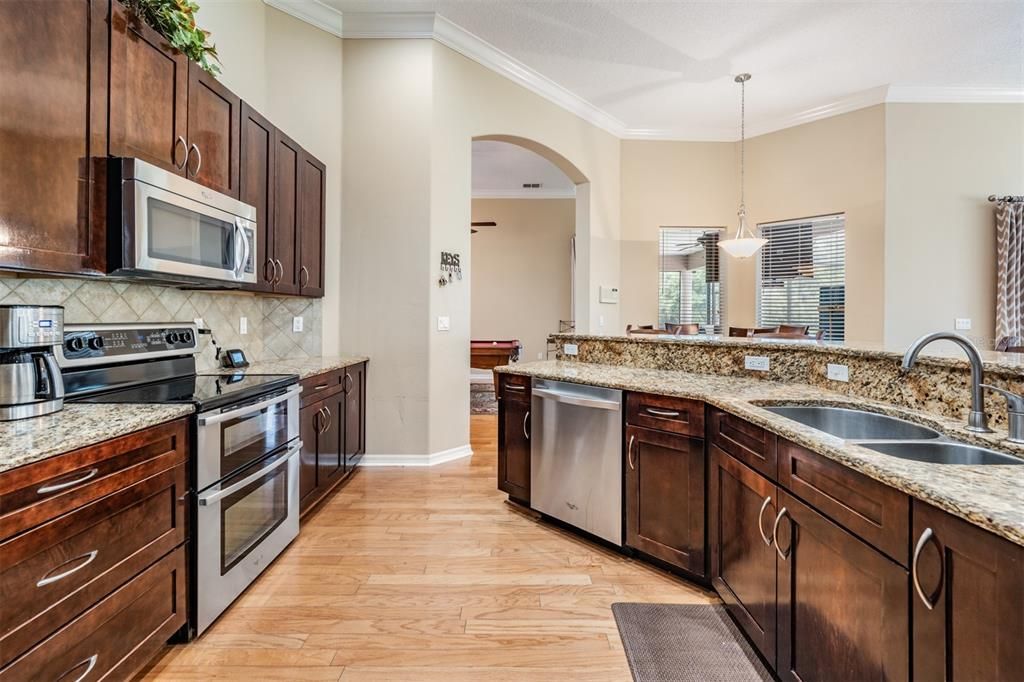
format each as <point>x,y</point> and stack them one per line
<point>247,494</point>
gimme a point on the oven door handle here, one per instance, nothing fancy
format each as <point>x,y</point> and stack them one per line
<point>248,409</point>
<point>211,498</point>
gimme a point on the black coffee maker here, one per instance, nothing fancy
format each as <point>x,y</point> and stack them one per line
<point>31,384</point>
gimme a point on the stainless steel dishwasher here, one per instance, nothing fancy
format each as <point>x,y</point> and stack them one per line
<point>576,456</point>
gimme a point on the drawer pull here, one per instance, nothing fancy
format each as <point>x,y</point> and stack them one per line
<point>775,537</point>
<point>46,489</point>
<point>320,387</point>
<point>760,526</point>
<point>91,661</point>
<point>926,536</point>
<point>670,414</point>
<point>513,387</point>
<point>50,579</point>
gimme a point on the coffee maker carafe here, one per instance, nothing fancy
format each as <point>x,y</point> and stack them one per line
<point>31,384</point>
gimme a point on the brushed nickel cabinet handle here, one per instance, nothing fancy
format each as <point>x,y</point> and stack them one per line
<point>199,163</point>
<point>525,432</point>
<point>54,487</point>
<point>330,419</point>
<point>671,414</point>
<point>760,525</point>
<point>174,152</point>
<point>318,421</point>
<point>91,661</point>
<point>273,271</point>
<point>278,267</point>
<point>303,271</point>
<point>50,579</point>
<point>348,378</point>
<point>320,387</point>
<point>926,536</point>
<point>775,537</point>
<point>629,452</point>
<point>514,387</point>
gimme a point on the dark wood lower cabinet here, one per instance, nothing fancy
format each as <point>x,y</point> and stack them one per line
<point>972,626</point>
<point>514,438</point>
<point>842,605</point>
<point>665,497</point>
<point>741,507</point>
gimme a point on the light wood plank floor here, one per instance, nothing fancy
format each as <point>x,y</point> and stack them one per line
<point>428,574</point>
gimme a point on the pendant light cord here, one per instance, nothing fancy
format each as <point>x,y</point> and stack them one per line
<point>743,140</point>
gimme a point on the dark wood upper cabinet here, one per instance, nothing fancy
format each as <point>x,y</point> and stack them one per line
<point>514,437</point>
<point>256,188</point>
<point>214,118</point>
<point>287,172</point>
<point>665,497</point>
<point>148,94</point>
<point>972,626</point>
<point>842,606</point>
<point>312,206</point>
<point>742,506</point>
<point>53,118</point>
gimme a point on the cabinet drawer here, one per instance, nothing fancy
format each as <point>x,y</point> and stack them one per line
<point>515,387</point>
<point>880,515</point>
<point>118,636</point>
<point>35,493</point>
<point>321,386</point>
<point>675,415</point>
<point>750,444</point>
<point>57,570</point>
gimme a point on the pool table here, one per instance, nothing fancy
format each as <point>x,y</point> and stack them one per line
<point>488,354</point>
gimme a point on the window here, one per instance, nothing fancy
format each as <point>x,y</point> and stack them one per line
<point>690,289</point>
<point>801,275</point>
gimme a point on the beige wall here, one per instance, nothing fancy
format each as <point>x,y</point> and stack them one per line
<point>520,287</point>
<point>943,161</point>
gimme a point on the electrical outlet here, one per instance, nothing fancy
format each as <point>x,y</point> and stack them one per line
<point>758,363</point>
<point>962,324</point>
<point>297,323</point>
<point>444,323</point>
<point>838,372</point>
<point>571,349</point>
<point>243,325</point>
<point>199,323</point>
<point>540,356</point>
<point>600,321</point>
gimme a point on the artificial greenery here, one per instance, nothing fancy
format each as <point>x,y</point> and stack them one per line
<point>175,20</point>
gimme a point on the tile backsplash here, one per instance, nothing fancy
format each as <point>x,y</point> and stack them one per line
<point>270,335</point>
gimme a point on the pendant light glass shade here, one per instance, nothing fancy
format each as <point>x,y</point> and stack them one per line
<point>744,244</point>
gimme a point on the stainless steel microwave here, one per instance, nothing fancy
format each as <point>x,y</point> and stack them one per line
<point>164,227</point>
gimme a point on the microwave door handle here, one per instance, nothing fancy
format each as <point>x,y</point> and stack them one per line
<point>248,249</point>
<point>239,249</point>
<point>248,409</point>
<point>210,498</point>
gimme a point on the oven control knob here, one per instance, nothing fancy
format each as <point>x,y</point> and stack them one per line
<point>96,343</point>
<point>172,338</point>
<point>75,344</point>
<point>186,337</point>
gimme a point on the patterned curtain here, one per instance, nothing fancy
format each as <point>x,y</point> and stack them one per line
<point>1009,274</point>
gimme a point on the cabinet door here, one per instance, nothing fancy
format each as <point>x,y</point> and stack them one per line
<point>330,460</point>
<point>312,205</point>
<point>53,90</point>
<point>287,167</point>
<point>213,123</point>
<point>514,443</point>
<point>311,422</point>
<point>256,188</point>
<point>842,605</point>
<point>974,582</point>
<point>148,94</point>
<point>742,507</point>
<point>665,497</point>
<point>355,397</point>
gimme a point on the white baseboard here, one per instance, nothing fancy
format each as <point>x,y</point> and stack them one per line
<point>416,460</point>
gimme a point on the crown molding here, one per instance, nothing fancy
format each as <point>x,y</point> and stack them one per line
<point>524,194</point>
<point>925,94</point>
<point>361,25</point>
<point>312,12</point>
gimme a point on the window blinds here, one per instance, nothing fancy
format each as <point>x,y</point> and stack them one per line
<point>690,288</point>
<point>801,275</point>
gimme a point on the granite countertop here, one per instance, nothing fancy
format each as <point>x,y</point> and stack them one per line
<point>304,367</point>
<point>988,496</point>
<point>29,440</point>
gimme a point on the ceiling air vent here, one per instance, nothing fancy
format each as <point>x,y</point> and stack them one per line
<point>532,185</point>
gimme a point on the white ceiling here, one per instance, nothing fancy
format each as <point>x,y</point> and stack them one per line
<point>500,169</point>
<point>665,69</point>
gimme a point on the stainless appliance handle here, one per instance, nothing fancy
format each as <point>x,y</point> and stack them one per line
<point>760,525</point>
<point>198,156</point>
<point>927,535</point>
<point>238,252</point>
<point>246,249</point>
<point>92,664</point>
<point>67,484</point>
<point>174,152</point>
<point>249,409</point>
<point>56,378</point>
<point>48,579</point>
<point>571,399</point>
<point>671,414</point>
<point>207,500</point>
<point>775,537</point>
<point>629,452</point>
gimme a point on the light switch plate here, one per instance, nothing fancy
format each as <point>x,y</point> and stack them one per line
<point>444,323</point>
<point>962,324</point>
<point>243,325</point>
<point>838,372</point>
<point>571,349</point>
<point>758,363</point>
<point>297,323</point>
<point>199,323</point>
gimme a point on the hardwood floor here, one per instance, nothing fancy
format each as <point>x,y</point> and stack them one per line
<point>428,574</point>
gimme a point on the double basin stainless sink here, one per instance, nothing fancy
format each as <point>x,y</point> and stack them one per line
<point>890,435</point>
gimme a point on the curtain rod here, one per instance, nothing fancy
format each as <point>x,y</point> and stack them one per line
<point>1009,198</point>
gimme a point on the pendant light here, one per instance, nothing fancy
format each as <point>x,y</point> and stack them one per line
<point>744,244</point>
